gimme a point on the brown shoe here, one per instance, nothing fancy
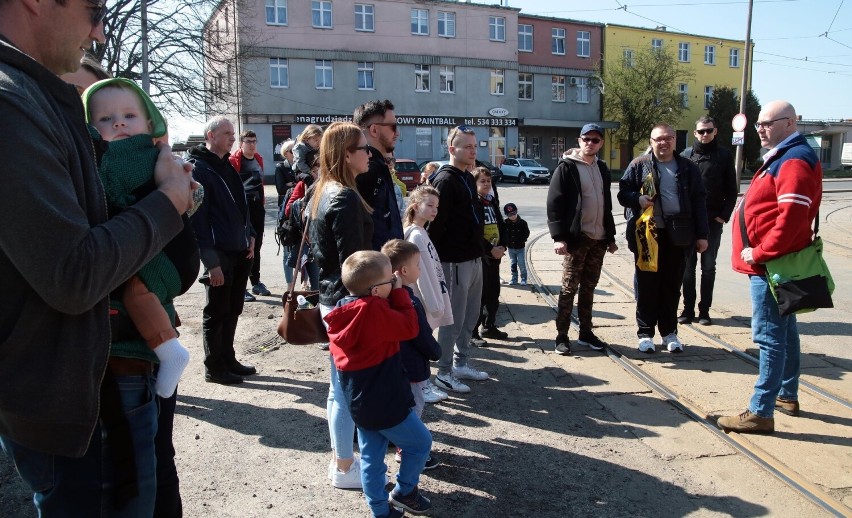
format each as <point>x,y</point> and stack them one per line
<point>787,407</point>
<point>746,423</point>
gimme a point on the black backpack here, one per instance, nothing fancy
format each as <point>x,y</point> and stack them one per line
<point>285,233</point>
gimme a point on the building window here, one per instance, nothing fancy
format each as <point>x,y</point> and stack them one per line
<point>709,54</point>
<point>584,44</point>
<point>497,77</point>
<point>365,75</point>
<point>321,14</point>
<point>448,79</point>
<point>734,58</point>
<point>657,44</point>
<point>421,78</point>
<point>276,12</point>
<point>583,91</point>
<point>446,24</point>
<point>683,90</point>
<point>554,149</point>
<point>683,52</point>
<point>557,41</point>
<point>525,38</point>
<point>558,86</point>
<point>420,22</point>
<point>324,74</point>
<point>629,62</point>
<point>365,18</point>
<point>525,87</point>
<point>496,28</point>
<point>708,96</point>
<point>535,147</point>
<point>279,76</point>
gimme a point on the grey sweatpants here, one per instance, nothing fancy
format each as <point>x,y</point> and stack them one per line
<point>464,281</point>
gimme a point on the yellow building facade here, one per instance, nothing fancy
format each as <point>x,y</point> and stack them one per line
<point>713,61</point>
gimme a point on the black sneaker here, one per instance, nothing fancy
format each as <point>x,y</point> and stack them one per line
<point>413,502</point>
<point>260,289</point>
<point>704,319</point>
<point>249,297</point>
<point>493,332</point>
<point>685,318</point>
<point>563,345</point>
<point>592,342</point>
<point>394,513</point>
<point>431,463</point>
<point>222,377</point>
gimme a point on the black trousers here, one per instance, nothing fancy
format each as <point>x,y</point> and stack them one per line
<point>658,293</point>
<point>490,293</point>
<point>168,503</point>
<point>257,217</point>
<point>223,309</point>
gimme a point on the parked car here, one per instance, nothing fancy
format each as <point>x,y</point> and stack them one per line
<point>496,173</point>
<point>525,170</point>
<point>408,172</point>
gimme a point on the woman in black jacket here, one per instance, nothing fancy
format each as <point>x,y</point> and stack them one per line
<point>340,224</point>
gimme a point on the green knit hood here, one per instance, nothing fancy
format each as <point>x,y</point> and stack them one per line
<point>158,122</point>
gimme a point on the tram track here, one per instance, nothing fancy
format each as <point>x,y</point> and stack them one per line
<point>738,442</point>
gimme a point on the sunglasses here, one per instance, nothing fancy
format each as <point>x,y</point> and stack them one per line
<point>392,281</point>
<point>593,140</point>
<point>99,11</point>
<point>705,131</point>
<point>392,125</point>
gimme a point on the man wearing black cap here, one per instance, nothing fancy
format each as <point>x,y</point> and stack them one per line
<point>579,217</point>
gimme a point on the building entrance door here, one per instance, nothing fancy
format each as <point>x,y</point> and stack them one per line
<point>496,146</point>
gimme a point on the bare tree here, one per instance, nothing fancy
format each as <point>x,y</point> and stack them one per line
<point>640,90</point>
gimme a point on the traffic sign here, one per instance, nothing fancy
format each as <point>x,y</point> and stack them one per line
<point>738,138</point>
<point>739,122</point>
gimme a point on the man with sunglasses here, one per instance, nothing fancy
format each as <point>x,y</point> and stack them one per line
<point>579,217</point>
<point>77,421</point>
<point>720,181</point>
<point>376,186</point>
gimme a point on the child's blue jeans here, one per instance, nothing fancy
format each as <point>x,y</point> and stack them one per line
<point>518,260</point>
<point>416,442</point>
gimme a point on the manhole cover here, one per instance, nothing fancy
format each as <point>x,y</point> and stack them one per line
<point>270,344</point>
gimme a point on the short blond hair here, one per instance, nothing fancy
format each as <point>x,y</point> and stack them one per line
<point>363,269</point>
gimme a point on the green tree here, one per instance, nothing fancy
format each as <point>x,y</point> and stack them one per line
<point>723,106</point>
<point>640,90</point>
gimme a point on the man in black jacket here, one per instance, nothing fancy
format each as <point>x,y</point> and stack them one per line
<point>720,181</point>
<point>579,217</point>
<point>226,241</point>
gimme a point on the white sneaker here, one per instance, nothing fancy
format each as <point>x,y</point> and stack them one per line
<point>429,395</point>
<point>449,382</point>
<point>435,390</point>
<point>332,467</point>
<point>349,480</point>
<point>466,372</point>
<point>672,343</point>
<point>646,345</point>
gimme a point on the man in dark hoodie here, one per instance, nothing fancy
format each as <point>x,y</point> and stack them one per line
<point>720,181</point>
<point>226,239</point>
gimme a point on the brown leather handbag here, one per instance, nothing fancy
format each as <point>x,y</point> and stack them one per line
<point>301,325</point>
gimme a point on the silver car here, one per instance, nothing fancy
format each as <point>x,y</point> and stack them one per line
<point>524,170</point>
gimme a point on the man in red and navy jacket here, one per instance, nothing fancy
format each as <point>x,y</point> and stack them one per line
<point>779,209</point>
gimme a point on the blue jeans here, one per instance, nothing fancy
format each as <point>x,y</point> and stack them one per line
<point>778,339</point>
<point>288,270</point>
<point>518,260</point>
<point>341,428</point>
<point>72,487</point>
<point>416,442</point>
<point>708,272</point>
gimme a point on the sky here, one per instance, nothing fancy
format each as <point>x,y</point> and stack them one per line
<point>803,48</point>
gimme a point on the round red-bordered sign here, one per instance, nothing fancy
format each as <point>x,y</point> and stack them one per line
<point>739,122</point>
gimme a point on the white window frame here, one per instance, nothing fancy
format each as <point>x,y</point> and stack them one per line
<point>629,58</point>
<point>557,85</point>
<point>657,44</point>
<point>320,8</point>
<point>497,28</point>
<point>277,7</point>
<point>708,96</point>
<point>277,68</point>
<point>366,70</point>
<point>421,78</point>
<point>683,52</point>
<point>557,41</point>
<point>498,81</point>
<point>584,93</point>
<point>709,54</point>
<point>525,37</point>
<point>325,67</point>
<point>447,79</point>
<point>734,58</point>
<point>420,17</point>
<point>525,83</point>
<point>446,24</point>
<point>683,90</point>
<point>365,18</point>
<point>584,44</point>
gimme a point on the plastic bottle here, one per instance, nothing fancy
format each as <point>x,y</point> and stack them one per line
<point>303,302</point>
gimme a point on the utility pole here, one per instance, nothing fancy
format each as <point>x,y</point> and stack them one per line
<point>143,15</point>
<point>237,68</point>
<point>744,91</point>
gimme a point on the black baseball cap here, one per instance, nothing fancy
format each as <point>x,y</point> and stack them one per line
<point>510,209</point>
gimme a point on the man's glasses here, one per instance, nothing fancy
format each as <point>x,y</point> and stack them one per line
<point>250,141</point>
<point>392,281</point>
<point>666,138</point>
<point>705,131</point>
<point>592,140</point>
<point>768,124</point>
<point>98,10</point>
<point>392,125</point>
